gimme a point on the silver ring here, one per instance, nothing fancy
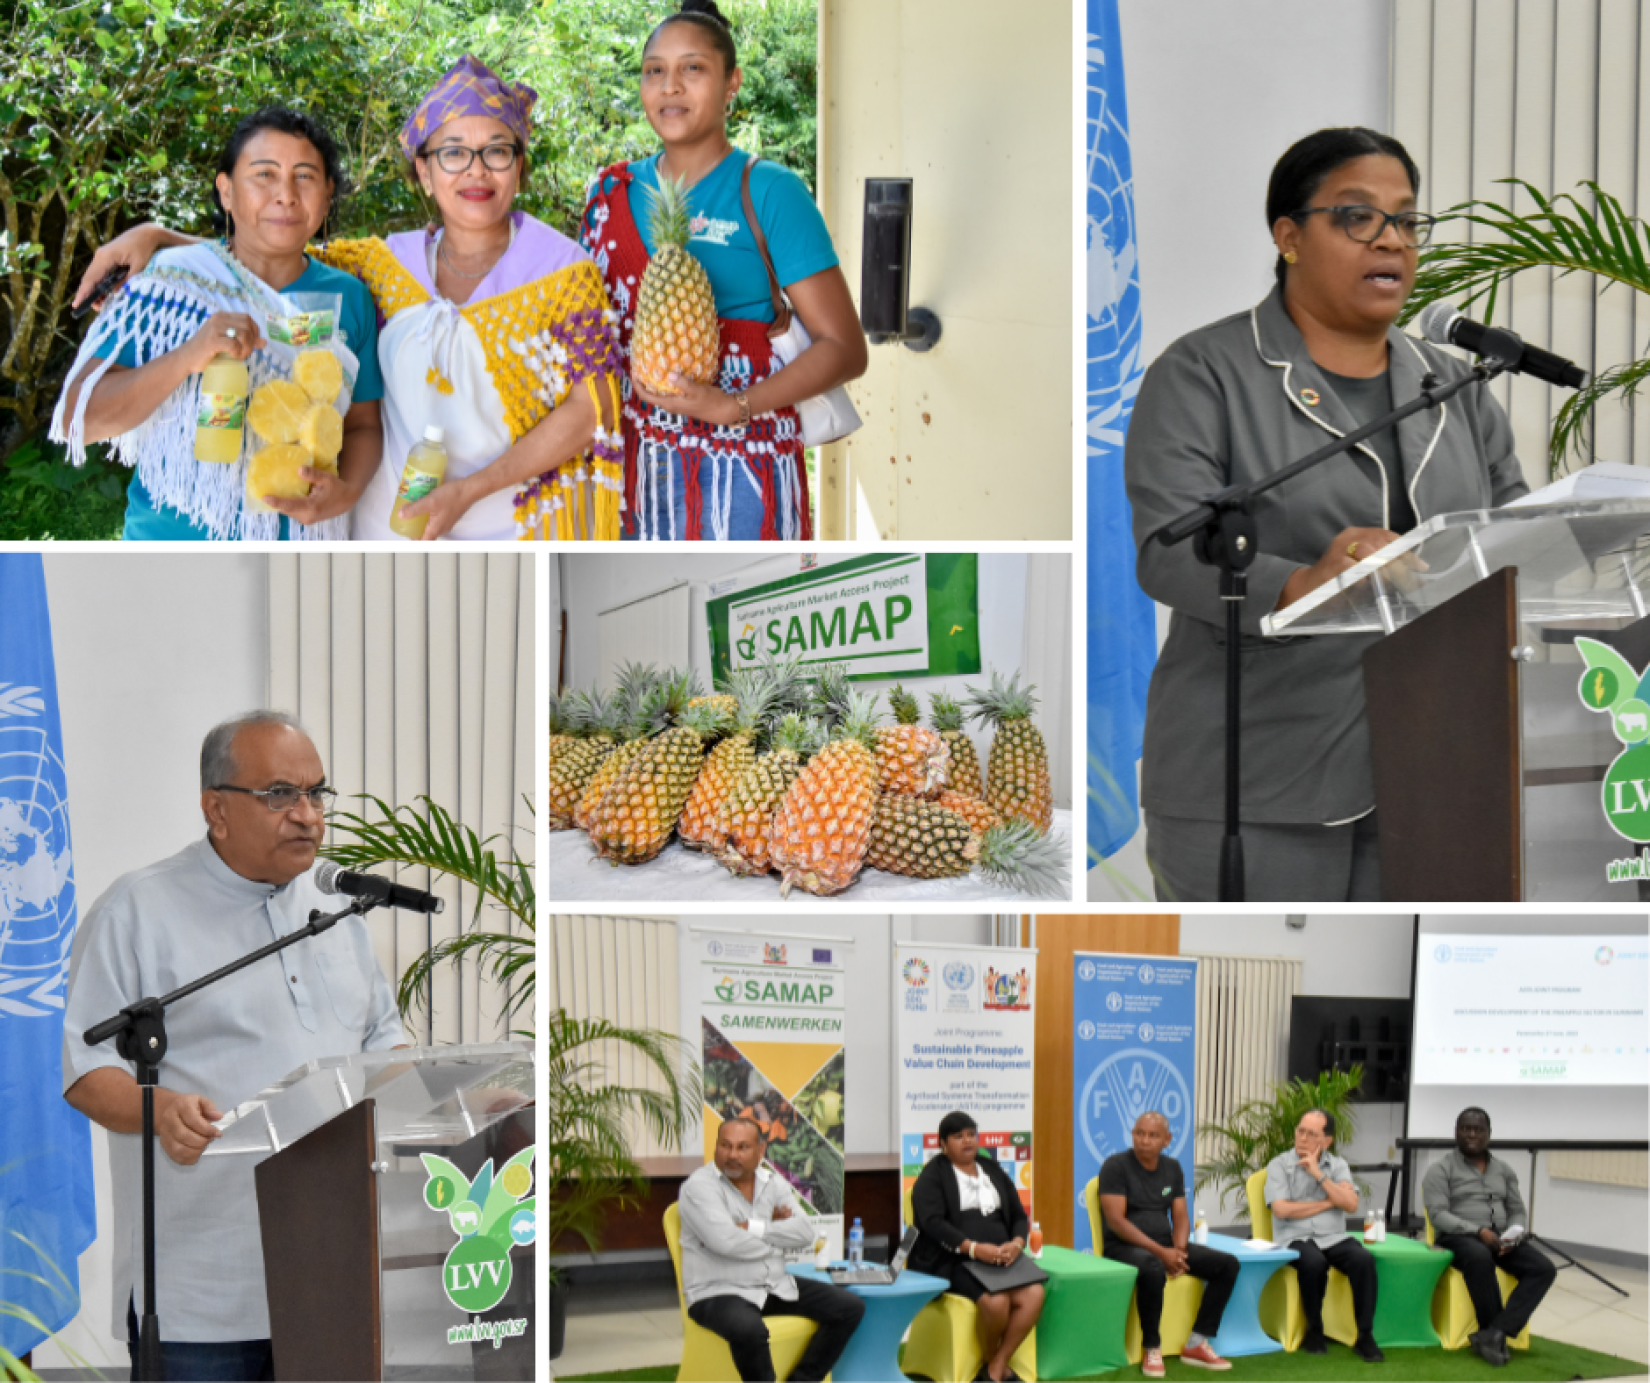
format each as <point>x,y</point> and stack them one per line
<point>229,332</point>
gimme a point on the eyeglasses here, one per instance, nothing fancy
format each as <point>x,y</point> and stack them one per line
<point>456,158</point>
<point>283,797</point>
<point>1367,224</point>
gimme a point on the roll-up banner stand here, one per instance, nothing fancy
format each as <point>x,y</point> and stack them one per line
<point>966,1035</point>
<point>1134,1049</point>
<point>771,1018</point>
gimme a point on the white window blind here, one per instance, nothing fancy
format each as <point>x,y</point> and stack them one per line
<point>653,629</point>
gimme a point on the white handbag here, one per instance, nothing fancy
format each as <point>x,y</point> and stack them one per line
<point>826,417</point>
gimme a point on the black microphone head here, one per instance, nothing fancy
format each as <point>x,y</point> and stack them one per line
<point>1435,322</point>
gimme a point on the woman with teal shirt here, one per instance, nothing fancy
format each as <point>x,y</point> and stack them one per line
<point>136,380</point>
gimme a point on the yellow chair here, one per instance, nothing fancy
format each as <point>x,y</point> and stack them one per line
<point>706,1357</point>
<point>1182,1296</point>
<point>1453,1316</point>
<point>1281,1313</point>
<point>944,1345</point>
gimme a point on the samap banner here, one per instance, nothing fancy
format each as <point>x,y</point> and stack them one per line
<point>1134,1049</point>
<point>771,1011</point>
<point>965,1039</point>
<point>904,613</point>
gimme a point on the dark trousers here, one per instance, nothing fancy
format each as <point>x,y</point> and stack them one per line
<point>1477,1262</point>
<point>836,1310</point>
<point>1312,1268</point>
<point>1218,1270</point>
<point>235,1361</point>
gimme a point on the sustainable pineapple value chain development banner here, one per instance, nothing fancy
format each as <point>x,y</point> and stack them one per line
<point>901,613</point>
<point>966,1034</point>
<point>771,1017</point>
<point>1134,1048</point>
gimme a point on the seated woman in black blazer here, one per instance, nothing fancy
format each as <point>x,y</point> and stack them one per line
<point>967,1210</point>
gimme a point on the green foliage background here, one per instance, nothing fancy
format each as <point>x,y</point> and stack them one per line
<point>114,111</point>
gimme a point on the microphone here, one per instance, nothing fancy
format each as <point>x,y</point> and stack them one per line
<point>329,878</point>
<point>1444,325</point>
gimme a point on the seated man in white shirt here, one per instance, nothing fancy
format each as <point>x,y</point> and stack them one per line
<point>738,1219</point>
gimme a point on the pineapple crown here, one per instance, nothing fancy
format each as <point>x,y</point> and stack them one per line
<point>757,691</point>
<point>632,684</point>
<point>944,714</point>
<point>584,713</point>
<point>802,737</point>
<point>681,687</point>
<point>831,693</point>
<point>1017,855</point>
<point>707,719</point>
<point>858,720</point>
<point>669,217</point>
<point>1003,702</point>
<point>904,706</point>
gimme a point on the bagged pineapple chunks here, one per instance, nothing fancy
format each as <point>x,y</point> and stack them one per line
<point>322,433</point>
<point>277,409</point>
<point>274,471</point>
<point>319,374</point>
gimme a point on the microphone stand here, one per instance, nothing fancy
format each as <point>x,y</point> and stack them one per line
<point>139,1031</point>
<point>1225,537</point>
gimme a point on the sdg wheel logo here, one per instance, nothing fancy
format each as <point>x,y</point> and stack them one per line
<point>489,1215</point>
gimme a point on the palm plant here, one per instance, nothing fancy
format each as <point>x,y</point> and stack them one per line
<point>428,835</point>
<point>1259,1130</point>
<point>1561,234</point>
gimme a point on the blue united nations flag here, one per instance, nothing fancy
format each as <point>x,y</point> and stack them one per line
<point>47,1216</point>
<point>1122,641</point>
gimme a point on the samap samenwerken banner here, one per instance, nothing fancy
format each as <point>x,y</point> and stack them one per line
<point>771,1013</point>
<point>966,1034</point>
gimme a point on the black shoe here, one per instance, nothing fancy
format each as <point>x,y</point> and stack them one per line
<point>1490,1345</point>
<point>1367,1350</point>
<point>1314,1343</point>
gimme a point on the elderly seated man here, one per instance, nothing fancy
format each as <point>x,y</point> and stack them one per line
<point>738,1219</point>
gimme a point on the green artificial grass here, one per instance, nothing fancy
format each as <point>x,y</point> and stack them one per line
<point>1545,1360</point>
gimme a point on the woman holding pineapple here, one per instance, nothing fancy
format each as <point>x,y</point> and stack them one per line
<point>1227,405</point>
<point>712,444</point>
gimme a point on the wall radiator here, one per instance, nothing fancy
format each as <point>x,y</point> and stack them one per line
<point>1242,1033</point>
<point>622,969</point>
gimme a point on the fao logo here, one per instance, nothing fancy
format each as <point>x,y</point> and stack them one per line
<point>1147,1032</point>
<point>1085,970</point>
<point>1085,1030</point>
<point>1114,1001</point>
<point>1122,1088</point>
<point>1147,974</point>
<point>713,947</point>
<point>1442,955</point>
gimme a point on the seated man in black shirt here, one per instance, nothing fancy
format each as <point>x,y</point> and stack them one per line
<point>1143,1203</point>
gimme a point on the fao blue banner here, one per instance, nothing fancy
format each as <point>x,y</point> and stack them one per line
<point>1134,1021</point>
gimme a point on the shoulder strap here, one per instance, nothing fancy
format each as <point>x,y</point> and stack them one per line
<point>781,309</point>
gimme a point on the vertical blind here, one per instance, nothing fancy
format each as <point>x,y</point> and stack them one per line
<point>1556,92</point>
<point>414,674</point>
<point>653,629</point>
<point>1243,1007</point>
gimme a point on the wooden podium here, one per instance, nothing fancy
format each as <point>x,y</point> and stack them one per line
<point>359,1239</point>
<point>1490,767</point>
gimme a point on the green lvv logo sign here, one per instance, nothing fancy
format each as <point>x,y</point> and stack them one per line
<point>877,615</point>
<point>1611,686</point>
<point>489,1215</point>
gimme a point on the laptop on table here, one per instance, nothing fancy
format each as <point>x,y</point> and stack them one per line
<point>877,1277</point>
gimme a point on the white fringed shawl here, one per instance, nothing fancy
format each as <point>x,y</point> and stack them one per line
<point>160,310</point>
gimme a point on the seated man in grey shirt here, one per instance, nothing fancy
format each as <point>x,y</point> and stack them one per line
<point>1473,1199</point>
<point>738,1218</point>
<point>1311,1193</point>
<point>243,885</point>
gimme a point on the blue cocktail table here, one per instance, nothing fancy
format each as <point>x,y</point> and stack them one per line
<point>872,1355</point>
<point>1240,1331</point>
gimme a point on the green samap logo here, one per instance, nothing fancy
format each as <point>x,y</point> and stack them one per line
<point>1611,687</point>
<point>1542,1070</point>
<point>489,1215</point>
<point>766,990</point>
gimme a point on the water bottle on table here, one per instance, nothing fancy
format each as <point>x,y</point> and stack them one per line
<point>856,1245</point>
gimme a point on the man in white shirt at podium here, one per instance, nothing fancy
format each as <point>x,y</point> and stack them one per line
<point>243,885</point>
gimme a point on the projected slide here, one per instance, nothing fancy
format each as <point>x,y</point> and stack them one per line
<point>1530,1010</point>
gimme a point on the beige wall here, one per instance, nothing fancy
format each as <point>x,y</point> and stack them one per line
<point>974,438</point>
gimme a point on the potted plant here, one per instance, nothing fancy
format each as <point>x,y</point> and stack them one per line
<point>1606,242</point>
<point>590,1167</point>
<point>1259,1130</point>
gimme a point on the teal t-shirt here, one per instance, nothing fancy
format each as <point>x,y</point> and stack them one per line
<point>147,521</point>
<point>722,242</point>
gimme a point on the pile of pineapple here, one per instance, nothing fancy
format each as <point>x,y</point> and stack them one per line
<point>787,771</point>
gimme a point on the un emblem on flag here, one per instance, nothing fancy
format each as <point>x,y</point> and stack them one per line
<point>37,898</point>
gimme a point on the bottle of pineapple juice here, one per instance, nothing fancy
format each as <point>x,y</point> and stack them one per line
<point>222,410</point>
<point>426,465</point>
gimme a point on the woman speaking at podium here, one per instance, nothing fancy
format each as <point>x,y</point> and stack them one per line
<point>1229,404</point>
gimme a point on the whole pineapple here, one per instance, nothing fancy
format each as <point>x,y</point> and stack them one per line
<point>823,827</point>
<point>676,329</point>
<point>562,733</point>
<point>743,835</point>
<point>752,693</point>
<point>911,835</point>
<point>588,718</point>
<point>911,759</point>
<point>1018,856</point>
<point>946,716</point>
<point>646,710</point>
<point>1016,777</point>
<point>639,810</point>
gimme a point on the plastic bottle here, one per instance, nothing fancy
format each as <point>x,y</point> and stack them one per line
<point>1036,1242</point>
<point>1380,1226</point>
<point>222,412</point>
<point>1369,1225</point>
<point>1200,1229</point>
<point>426,465</point>
<point>856,1244</point>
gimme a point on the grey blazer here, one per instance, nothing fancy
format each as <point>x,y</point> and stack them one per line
<point>1228,404</point>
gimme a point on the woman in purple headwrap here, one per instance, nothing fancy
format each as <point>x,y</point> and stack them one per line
<point>495,328</point>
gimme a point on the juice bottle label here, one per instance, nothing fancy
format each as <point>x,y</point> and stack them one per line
<point>414,486</point>
<point>226,411</point>
<point>303,328</point>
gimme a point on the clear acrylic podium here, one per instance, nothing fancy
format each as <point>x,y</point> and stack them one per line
<point>381,1264</point>
<point>1498,773</point>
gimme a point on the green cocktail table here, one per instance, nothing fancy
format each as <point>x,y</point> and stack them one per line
<point>1407,1272</point>
<point>1081,1329</point>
